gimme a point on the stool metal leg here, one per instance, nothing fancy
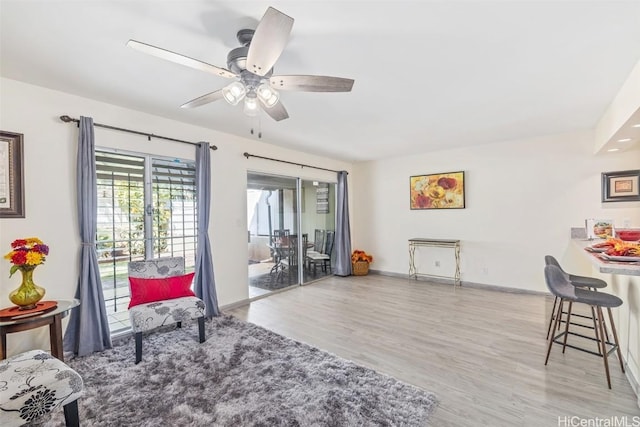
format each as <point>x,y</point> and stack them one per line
<point>566,327</point>
<point>71,417</point>
<point>604,346</point>
<point>552,317</point>
<point>615,338</point>
<point>595,327</point>
<point>556,324</point>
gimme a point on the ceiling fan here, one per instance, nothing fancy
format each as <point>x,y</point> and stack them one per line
<point>251,66</point>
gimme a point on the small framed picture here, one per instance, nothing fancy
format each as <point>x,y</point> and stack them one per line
<point>11,175</point>
<point>621,186</point>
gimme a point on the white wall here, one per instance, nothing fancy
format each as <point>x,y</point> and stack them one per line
<point>522,198</point>
<point>50,157</point>
<point>623,106</point>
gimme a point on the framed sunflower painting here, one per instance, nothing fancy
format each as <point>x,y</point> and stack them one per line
<point>437,191</point>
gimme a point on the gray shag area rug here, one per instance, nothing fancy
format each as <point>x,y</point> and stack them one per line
<point>243,375</point>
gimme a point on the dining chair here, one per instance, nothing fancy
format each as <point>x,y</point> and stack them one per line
<point>558,283</point>
<point>324,257</point>
<point>290,262</point>
<point>318,242</point>
<point>278,240</point>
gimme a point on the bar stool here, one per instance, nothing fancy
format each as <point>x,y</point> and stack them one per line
<point>559,285</point>
<point>591,283</point>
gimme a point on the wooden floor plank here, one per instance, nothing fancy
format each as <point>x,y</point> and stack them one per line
<point>481,351</point>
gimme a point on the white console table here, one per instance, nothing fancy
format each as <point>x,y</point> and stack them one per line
<point>435,243</point>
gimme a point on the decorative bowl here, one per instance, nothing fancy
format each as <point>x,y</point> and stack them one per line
<point>628,234</point>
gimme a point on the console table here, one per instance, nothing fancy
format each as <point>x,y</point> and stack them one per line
<point>434,243</point>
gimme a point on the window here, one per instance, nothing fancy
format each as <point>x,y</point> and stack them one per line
<point>146,209</point>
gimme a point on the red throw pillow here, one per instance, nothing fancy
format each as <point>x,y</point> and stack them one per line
<point>144,291</point>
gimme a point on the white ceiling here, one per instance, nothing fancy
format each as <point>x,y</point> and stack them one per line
<point>428,74</point>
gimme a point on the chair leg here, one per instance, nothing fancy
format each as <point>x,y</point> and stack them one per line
<point>71,417</point>
<point>138,347</point>
<point>552,317</point>
<point>603,345</point>
<point>566,327</point>
<point>201,329</point>
<point>594,317</point>
<point>551,338</point>
<point>615,338</point>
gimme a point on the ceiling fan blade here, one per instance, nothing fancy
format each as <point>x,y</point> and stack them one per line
<point>180,59</point>
<point>277,112</point>
<point>311,83</point>
<point>268,42</point>
<point>204,99</point>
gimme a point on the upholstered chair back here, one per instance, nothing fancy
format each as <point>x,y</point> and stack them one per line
<point>157,268</point>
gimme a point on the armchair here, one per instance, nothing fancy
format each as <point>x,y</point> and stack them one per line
<point>33,384</point>
<point>161,295</point>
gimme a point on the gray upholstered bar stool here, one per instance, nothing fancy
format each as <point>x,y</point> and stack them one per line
<point>591,283</point>
<point>559,285</point>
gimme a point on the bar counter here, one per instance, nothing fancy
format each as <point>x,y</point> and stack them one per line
<point>610,267</point>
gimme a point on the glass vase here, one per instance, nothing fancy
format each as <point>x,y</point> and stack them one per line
<point>28,293</point>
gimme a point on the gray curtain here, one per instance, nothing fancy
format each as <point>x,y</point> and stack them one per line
<point>88,329</point>
<point>343,231</point>
<point>204,281</point>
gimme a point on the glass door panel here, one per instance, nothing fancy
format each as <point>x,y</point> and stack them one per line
<point>272,221</point>
<point>318,213</point>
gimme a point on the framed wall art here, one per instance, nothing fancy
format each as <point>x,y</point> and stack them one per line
<point>621,186</point>
<point>322,198</point>
<point>437,191</point>
<point>11,175</point>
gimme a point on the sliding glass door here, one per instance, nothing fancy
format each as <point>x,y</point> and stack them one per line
<point>291,231</point>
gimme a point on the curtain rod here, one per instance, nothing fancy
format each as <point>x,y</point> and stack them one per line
<point>68,119</point>
<point>247,155</point>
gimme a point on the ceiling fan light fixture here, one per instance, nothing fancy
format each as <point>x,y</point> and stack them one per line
<point>267,95</point>
<point>234,93</point>
<point>251,106</point>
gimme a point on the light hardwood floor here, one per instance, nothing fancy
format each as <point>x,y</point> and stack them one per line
<point>480,351</point>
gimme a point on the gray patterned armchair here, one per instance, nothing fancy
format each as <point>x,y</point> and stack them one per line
<point>33,384</point>
<point>152,315</point>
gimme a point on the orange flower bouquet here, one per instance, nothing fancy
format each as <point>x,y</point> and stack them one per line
<point>360,263</point>
<point>359,255</point>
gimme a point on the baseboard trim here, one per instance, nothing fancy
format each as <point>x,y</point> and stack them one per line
<point>463,283</point>
<point>633,381</point>
<point>241,303</point>
<point>635,385</point>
